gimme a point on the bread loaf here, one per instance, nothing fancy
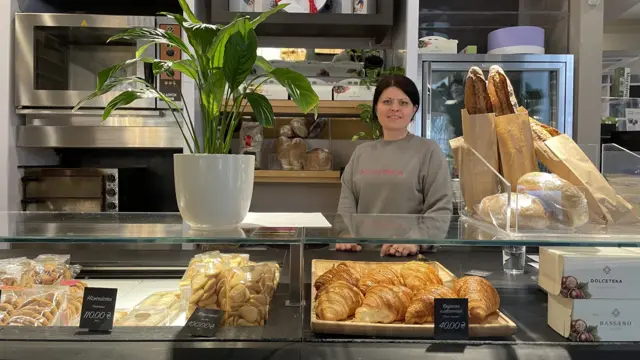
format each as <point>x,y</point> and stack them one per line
<point>299,127</point>
<point>476,95</point>
<point>528,209</point>
<point>565,202</point>
<point>538,133</point>
<point>501,92</point>
<point>297,153</point>
<point>318,160</point>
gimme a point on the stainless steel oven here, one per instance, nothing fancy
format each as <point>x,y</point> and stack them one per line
<point>57,61</point>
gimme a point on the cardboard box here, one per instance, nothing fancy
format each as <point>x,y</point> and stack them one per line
<point>263,5</point>
<point>591,320</point>
<point>590,272</point>
<point>350,89</point>
<point>240,6</point>
<point>323,88</point>
<point>364,6</point>
<point>342,6</point>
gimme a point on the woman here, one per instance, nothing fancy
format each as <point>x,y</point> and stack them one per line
<point>399,174</point>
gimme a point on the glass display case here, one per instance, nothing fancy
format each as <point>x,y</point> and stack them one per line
<point>152,255</point>
<point>543,84</point>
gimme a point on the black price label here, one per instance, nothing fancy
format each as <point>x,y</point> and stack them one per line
<point>203,322</point>
<point>98,308</point>
<point>451,319</point>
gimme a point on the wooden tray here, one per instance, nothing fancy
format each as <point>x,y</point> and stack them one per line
<point>496,324</point>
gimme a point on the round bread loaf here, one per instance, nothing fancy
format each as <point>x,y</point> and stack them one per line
<point>528,209</point>
<point>566,203</point>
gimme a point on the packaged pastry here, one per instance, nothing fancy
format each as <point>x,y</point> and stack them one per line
<point>50,269</point>
<point>318,160</point>
<point>17,272</point>
<point>158,309</point>
<point>566,203</point>
<point>528,209</point>
<point>119,315</point>
<point>74,300</point>
<point>37,306</point>
<point>244,293</point>
<point>207,262</point>
<point>203,287</point>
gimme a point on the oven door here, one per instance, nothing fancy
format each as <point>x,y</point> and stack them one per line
<point>58,57</point>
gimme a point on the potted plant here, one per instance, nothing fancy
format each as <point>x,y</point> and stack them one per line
<point>213,187</point>
<point>608,125</point>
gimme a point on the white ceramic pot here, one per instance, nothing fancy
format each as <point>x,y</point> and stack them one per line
<point>213,191</point>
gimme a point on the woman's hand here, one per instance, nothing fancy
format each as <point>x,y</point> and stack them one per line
<point>399,250</point>
<point>348,247</point>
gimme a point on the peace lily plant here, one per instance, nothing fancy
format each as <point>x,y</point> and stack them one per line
<point>213,188</point>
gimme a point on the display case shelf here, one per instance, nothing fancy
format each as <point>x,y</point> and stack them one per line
<point>325,25</point>
<point>284,176</point>
<point>325,107</point>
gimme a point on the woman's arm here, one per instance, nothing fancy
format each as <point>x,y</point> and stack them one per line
<point>348,204</point>
<point>438,198</point>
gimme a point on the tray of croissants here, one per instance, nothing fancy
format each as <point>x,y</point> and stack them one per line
<point>397,299</point>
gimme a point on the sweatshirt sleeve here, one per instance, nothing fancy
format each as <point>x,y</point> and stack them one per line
<point>438,196</point>
<point>348,203</point>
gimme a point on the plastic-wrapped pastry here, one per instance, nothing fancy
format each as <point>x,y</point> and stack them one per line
<point>568,205</point>
<point>530,212</point>
<point>299,127</point>
<point>17,272</point>
<point>37,306</point>
<point>297,153</point>
<point>318,160</point>
<point>384,304</point>
<point>74,300</point>
<point>246,292</point>
<point>50,269</point>
<point>379,275</point>
<point>337,301</point>
<point>158,309</point>
<point>421,310</point>
<point>417,275</point>
<point>286,131</point>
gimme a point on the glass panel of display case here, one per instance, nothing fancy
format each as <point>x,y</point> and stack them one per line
<point>621,168</point>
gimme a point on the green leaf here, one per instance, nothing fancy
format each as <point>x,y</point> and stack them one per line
<point>264,64</point>
<point>257,21</point>
<point>163,67</point>
<point>126,98</point>
<point>187,10</point>
<point>109,72</point>
<point>213,91</point>
<point>261,107</point>
<point>142,49</point>
<point>298,87</point>
<point>200,35</point>
<point>240,55</point>
<point>187,67</point>
<point>217,49</point>
<point>157,36</point>
<point>111,84</point>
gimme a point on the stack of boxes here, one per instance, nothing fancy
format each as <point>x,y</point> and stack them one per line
<point>593,292</point>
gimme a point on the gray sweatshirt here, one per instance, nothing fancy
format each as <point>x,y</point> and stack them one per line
<point>405,176</point>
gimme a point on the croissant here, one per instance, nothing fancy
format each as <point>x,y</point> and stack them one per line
<point>483,297</point>
<point>379,275</point>
<point>417,275</point>
<point>421,309</point>
<point>341,272</point>
<point>337,301</point>
<point>384,304</point>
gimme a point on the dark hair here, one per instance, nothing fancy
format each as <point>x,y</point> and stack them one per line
<point>401,82</point>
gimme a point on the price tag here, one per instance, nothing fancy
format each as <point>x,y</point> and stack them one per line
<point>98,307</point>
<point>203,322</point>
<point>451,319</point>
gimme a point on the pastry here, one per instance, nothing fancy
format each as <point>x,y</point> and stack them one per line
<point>379,275</point>
<point>384,304</point>
<point>283,147</point>
<point>338,301</point>
<point>417,275</point>
<point>341,272</point>
<point>538,133</point>
<point>501,92</point>
<point>286,131</point>
<point>567,204</point>
<point>421,310</point>
<point>297,153</point>
<point>529,210</point>
<point>476,95</point>
<point>546,128</point>
<point>318,160</point>
<point>299,127</point>
<point>483,297</point>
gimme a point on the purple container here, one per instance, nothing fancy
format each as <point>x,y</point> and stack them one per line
<point>516,36</point>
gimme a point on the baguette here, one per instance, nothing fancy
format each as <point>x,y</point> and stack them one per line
<point>546,128</point>
<point>476,95</point>
<point>501,92</point>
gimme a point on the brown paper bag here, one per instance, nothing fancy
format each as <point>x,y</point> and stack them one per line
<point>477,180</point>
<point>515,142</point>
<point>564,158</point>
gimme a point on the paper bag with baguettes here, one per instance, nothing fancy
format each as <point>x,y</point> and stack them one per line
<point>477,179</point>
<point>562,156</point>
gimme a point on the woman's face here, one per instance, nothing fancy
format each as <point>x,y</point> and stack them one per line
<point>394,110</point>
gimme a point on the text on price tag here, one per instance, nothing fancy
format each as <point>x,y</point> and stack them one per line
<point>98,307</point>
<point>451,319</point>
<point>203,322</point>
